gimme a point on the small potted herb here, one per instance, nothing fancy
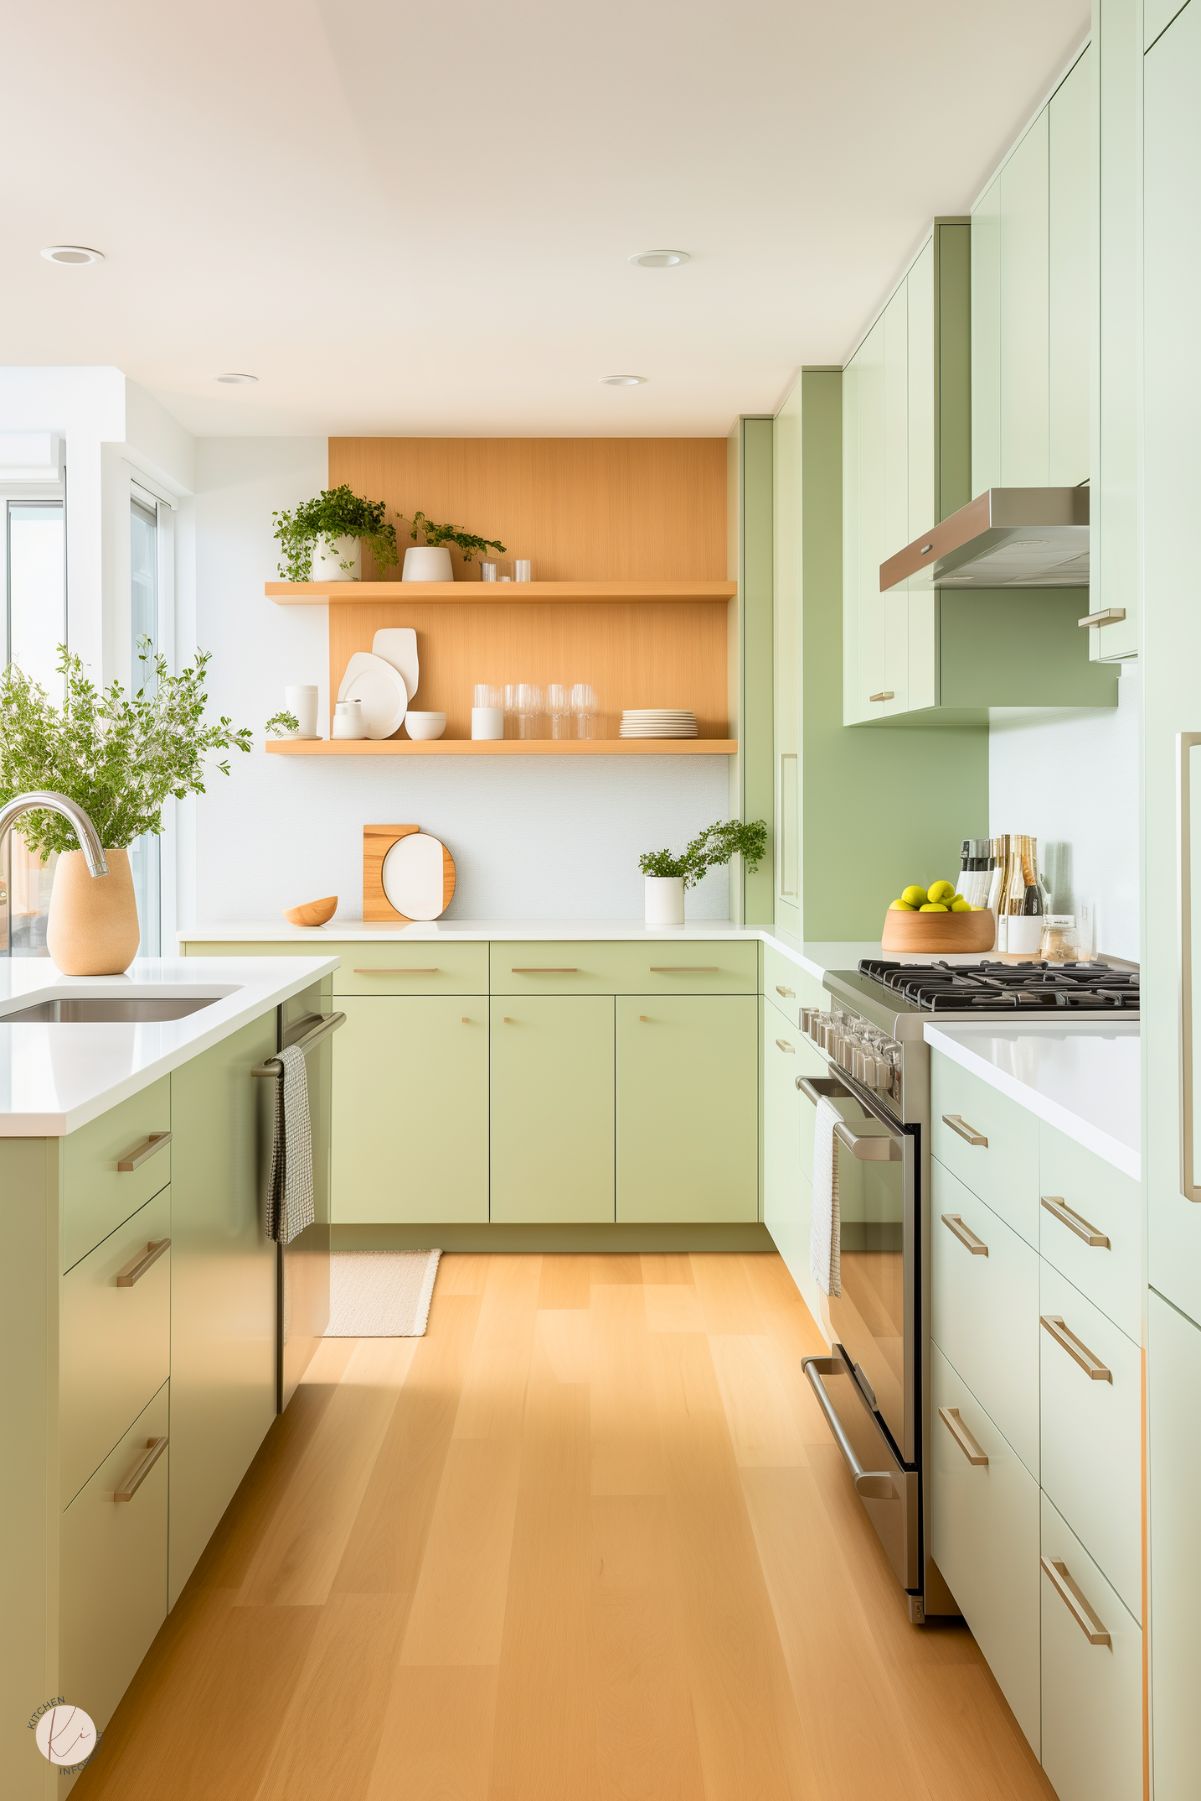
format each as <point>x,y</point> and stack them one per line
<point>322,540</point>
<point>430,561</point>
<point>667,875</point>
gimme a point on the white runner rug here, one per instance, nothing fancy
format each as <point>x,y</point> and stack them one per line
<point>381,1294</point>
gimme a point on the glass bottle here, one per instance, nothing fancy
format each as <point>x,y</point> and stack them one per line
<point>1024,902</point>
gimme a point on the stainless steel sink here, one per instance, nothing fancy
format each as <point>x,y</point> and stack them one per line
<point>108,1009</point>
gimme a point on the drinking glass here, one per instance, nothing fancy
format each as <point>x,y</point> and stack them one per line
<point>511,730</point>
<point>489,571</point>
<point>523,569</point>
<point>583,705</point>
<point>529,709</point>
<point>558,707</point>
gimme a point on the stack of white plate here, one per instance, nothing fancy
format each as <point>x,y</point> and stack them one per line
<point>658,722</point>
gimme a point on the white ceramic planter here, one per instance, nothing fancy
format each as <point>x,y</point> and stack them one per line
<point>337,560</point>
<point>664,900</point>
<point>427,563</point>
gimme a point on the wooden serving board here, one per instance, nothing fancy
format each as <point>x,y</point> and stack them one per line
<point>378,840</point>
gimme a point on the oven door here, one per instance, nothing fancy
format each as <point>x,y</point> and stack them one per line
<point>874,1319</point>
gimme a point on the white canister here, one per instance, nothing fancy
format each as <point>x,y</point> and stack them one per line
<point>1024,935</point>
<point>300,699</point>
<point>348,720</point>
<point>336,560</point>
<point>487,722</point>
<point>664,900</point>
<point>427,563</point>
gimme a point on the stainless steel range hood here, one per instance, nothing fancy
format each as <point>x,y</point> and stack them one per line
<point>1005,538</point>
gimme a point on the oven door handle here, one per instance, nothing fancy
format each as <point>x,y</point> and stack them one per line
<point>866,1149</point>
<point>873,1485</point>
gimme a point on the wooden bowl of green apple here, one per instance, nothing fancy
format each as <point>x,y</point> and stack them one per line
<point>936,922</point>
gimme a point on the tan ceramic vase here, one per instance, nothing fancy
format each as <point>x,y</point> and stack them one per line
<point>92,929</point>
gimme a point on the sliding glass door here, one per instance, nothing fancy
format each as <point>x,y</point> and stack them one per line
<point>35,624</point>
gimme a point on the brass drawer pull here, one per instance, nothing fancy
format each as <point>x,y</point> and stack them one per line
<point>962,1130</point>
<point>1057,1207</point>
<point>959,1228</point>
<point>141,1469</point>
<point>545,969</point>
<point>398,972</point>
<point>963,1438</point>
<point>787,994</point>
<point>783,1045</point>
<point>143,1151</point>
<point>685,969</point>
<point>1107,616</point>
<point>133,1272</point>
<point>1058,1575</point>
<point>1075,1347</point>
<point>884,694</point>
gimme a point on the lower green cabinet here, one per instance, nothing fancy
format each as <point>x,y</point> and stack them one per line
<point>552,1109</point>
<point>687,1109</point>
<point>410,1123</point>
<point>788,1145</point>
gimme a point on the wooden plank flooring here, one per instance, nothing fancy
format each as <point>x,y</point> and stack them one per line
<point>588,1540</point>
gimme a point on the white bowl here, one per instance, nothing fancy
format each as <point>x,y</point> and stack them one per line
<point>425,725</point>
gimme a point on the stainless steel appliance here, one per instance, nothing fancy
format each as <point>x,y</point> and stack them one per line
<point>871,1387</point>
<point>1004,538</point>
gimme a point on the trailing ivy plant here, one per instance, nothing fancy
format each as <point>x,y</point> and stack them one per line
<point>711,849</point>
<point>467,542</point>
<point>335,513</point>
<point>119,756</point>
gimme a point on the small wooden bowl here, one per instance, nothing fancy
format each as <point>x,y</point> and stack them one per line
<point>937,934</point>
<point>312,913</point>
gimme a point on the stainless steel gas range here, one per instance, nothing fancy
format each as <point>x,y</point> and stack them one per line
<point>871,1388</point>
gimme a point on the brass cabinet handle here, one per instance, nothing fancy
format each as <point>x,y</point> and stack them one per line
<point>398,972</point>
<point>974,1453</point>
<point>507,1019</point>
<point>133,1272</point>
<point>1068,1589</point>
<point>788,994</point>
<point>644,1019</point>
<point>1107,616</point>
<point>1075,1347</point>
<point>135,1158</point>
<point>544,969</point>
<point>884,694</point>
<point>960,1126</point>
<point>783,1045</point>
<point>1057,1207</point>
<point>141,1469</point>
<point>685,969</point>
<point>959,1228</point>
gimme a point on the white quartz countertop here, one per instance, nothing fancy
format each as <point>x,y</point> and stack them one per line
<point>1082,1078</point>
<point>56,1077</point>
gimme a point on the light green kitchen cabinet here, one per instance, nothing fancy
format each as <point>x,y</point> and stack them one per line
<point>410,1112</point>
<point>787,1189</point>
<point>893,611</point>
<point>788,597</point>
<point>1174,1450</point>
<point>552,1109</point>
<point>1024,310</point>
<point>988,1141</point>
<point>1071,278</point>
<point>870,391</point>
<point>223,1283</point>
<point>986,339</point>
<point>687,1109</point>
<point>112,1166</point>
<point>1157,16</point>
<point>922,473</point>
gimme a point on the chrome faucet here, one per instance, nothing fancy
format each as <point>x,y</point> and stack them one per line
<point>46,801</point>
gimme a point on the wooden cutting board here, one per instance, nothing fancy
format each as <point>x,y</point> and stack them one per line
<point>378,840</point>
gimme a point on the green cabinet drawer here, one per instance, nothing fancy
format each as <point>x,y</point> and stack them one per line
<point>1091,1430</point>
<point>410,1115</point>
<point>984,1526</point>
<point>113,1576</point>
<point>114,1339</point>
<point>552,1110</point>
<point>988,1141</point>
<point>687,1109</point>
<point>1092,1693</point>
<point>788,987</point>
<point>410,968</point>
<point>626,967</point>
<point>984,1309</point>
<point>1090,1227</point>
<point>113,1166</point>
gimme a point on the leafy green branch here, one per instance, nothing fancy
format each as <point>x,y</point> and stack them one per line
<point>710,849</point>
<point>467,542</point>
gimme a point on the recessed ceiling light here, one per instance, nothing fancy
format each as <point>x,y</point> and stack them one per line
<point>72,253</point>
<point>622,381</point>
<point>235,378</point>
<point>659,259</point>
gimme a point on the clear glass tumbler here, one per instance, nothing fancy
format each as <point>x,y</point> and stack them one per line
<point>530,708</point>
<point>583,705</point>
<point>511,730</point>
<point>560,717</point>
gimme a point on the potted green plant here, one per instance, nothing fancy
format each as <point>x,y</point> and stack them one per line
<point>668,874</point>
<point>430,561</point>
<point>322,540</point>
<point>119,756</point>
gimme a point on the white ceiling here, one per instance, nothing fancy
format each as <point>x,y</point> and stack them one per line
<point>412,220</point>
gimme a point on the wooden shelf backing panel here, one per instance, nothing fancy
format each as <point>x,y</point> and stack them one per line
<point>507,594</point>
<point>503,747</point>
<point>635,654</point>
<point>621,508</point>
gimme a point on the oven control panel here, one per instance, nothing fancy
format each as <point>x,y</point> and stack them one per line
<point>869,1056</point>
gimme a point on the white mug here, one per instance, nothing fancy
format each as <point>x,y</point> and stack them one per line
<point>348,719</point>
<point>487,722</point>
<point>301,701</point>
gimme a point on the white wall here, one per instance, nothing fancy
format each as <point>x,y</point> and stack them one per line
<point>1074,780</point>
<point>537,838</point>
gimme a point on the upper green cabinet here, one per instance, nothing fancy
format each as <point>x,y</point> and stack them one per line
<point>1024,311</point>
<point>1071,262</point>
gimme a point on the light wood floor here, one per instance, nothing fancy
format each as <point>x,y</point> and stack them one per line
<point>589,1540</point>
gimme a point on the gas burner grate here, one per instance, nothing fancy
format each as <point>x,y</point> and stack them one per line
<point>1004,987</point>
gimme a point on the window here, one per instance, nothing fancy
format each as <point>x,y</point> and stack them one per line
<point>145,613</point>
<point>35,624</point>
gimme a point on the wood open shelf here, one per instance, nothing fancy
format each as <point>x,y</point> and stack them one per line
<point>502,747</point>
<point>315,594</point>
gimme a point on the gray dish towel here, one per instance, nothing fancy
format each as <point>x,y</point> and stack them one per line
<point>290,1184</point>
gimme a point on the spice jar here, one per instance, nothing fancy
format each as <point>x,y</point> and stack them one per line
<point>1059,941</point>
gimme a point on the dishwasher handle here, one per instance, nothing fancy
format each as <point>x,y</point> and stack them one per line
<point>873,1485</point>
<point>322,1027</point>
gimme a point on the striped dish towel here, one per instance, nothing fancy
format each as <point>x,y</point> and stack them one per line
<point>825,1229</point>
<point>290,1184</point>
